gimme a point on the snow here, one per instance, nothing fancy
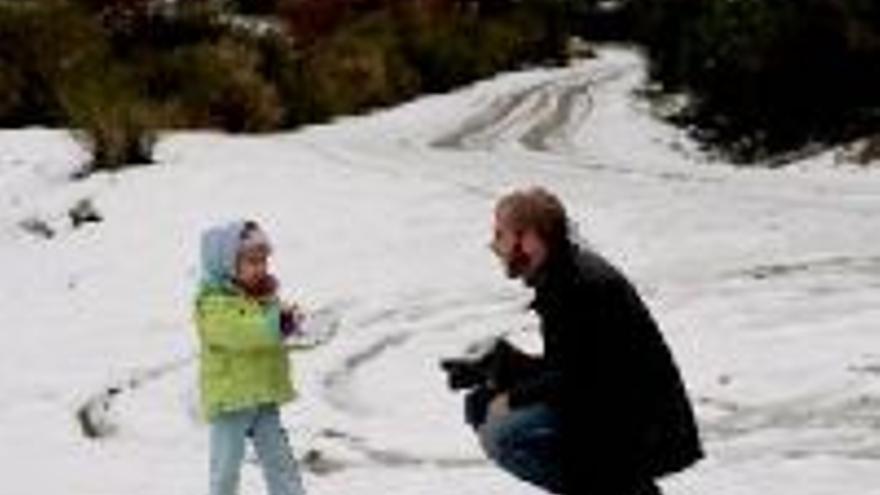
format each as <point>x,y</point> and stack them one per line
<point>765,282</point>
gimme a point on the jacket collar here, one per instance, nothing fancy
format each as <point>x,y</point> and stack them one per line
<point>552,274</point>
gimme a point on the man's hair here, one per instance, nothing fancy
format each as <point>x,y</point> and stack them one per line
<point>538,209</point>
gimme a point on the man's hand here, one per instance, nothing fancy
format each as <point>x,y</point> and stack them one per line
<point>500,406</point>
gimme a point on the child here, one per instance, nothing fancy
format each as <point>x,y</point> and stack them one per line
<point>244,369</point>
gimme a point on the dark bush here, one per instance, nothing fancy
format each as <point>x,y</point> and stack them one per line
<point>357,68</point>
<point>391,55</point>
<point>443,49</point>
<point>255,7</point>
<point>452,47</point>
<point>40,43</point>
<point>310,20</point>
<point>218,85</point>
<point>768,76</point>
<point>111,118</point>
<point>117,70</point>
<point>12,89</point>
<point>285,67</point>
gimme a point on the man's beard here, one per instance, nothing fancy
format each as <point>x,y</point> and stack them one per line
<point>517,264</point>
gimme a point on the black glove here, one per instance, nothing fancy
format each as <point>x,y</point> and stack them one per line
<point>476,405</point>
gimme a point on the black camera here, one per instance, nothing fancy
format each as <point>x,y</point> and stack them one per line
<point>496,369</point>
<point>464,373</point>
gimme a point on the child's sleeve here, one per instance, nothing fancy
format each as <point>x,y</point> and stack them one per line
<point>225,322</point>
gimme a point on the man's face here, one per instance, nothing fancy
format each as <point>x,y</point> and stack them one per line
<point>507,244</point>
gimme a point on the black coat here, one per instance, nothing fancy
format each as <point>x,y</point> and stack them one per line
<point>607,371</point>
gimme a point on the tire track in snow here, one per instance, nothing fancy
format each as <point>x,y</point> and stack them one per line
<point>96,417</point>
<point>541,117</point>
<point>829,425</point>
<point>380,456</point>
<point>841,422</point>
<point>823,411</point>
<point>398,325</point>
<point>395,327</point>
<point>336,382</point>
<point>866,266</point>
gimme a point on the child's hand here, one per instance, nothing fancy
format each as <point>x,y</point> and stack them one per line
<point>291,318</point>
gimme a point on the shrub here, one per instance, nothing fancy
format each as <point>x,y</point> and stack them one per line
<point>219,85</point>
<point>118,69</point>
<point>358,68</point>
<point>311,20</point>
<point>444,53</point>
<point>40,42</point>
<point>768,75</point>
<point>156,31</point>
<point>452,47</point>
<point>12,89</point>
<point>531,34</point>
<point>112,120</point>
<point>262,7</point>
<point>284,67</point>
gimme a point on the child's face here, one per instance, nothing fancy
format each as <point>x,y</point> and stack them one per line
<point>252,267</point>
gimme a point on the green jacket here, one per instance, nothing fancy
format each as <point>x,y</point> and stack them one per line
<point>242,361</point>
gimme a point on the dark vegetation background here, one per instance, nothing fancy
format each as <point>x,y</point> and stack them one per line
<point>764,77</point>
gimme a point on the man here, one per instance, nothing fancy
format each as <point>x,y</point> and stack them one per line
<point>607,412</point>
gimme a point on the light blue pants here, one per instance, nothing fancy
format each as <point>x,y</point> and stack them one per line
<point>263,425</point>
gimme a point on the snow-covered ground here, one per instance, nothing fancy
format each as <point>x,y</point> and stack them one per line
<point>766,283</point>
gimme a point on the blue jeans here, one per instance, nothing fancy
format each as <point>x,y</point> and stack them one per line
<point>527,443</point>
<point>263,425</point>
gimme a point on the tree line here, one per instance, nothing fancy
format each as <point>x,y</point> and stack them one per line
<point>764,78</point>
<point>116,71</point>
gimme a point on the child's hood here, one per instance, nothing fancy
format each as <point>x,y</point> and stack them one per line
<point>219,250</point>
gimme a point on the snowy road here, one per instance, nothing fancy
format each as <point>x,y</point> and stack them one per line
<point>766,283</point>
